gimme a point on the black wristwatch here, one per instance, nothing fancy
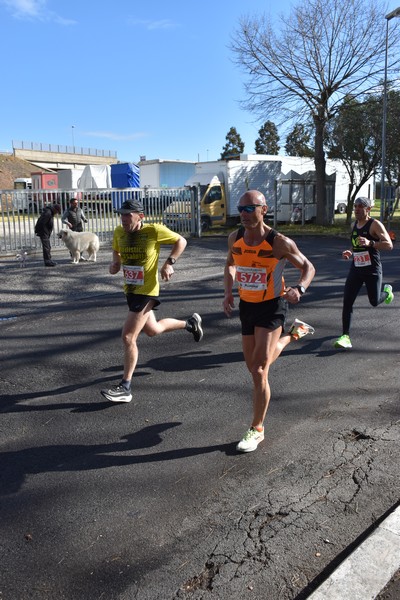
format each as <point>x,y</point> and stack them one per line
<point>171,260</point>
<point>302,289</point>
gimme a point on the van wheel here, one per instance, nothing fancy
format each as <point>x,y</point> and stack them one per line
<point>33,208</point>
<point>341,209</point>
<point>205,223</point>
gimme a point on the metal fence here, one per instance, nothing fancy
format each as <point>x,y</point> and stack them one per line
<point>20,209</point>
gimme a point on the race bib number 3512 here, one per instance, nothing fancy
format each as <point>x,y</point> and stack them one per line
<point>251,278</point>
<point>133,275</point>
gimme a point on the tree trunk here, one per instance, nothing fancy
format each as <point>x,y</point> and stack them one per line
<point>323,217</point>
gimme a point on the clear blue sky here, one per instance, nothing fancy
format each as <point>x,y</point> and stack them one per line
<point>152,78</point>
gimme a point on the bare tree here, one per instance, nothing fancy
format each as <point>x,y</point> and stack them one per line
<point>324,51</point>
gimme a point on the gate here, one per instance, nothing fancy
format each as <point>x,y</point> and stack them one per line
<point>19,211</point>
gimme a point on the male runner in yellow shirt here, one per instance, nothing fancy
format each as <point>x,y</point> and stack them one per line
<point>136,248</point>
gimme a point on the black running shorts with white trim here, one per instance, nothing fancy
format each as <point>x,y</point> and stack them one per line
<point>269,314</point>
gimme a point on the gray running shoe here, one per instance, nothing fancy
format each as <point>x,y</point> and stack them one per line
<point>117,393</point>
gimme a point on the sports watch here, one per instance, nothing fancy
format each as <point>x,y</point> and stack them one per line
<point>301,288</point>
<point>171,260</point>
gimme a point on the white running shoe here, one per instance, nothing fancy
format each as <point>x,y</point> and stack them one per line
<point>299,329</point>
<point>250,440</point>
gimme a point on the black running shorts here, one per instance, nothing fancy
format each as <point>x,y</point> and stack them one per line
<point>269,314</point>
<point>137,302</point>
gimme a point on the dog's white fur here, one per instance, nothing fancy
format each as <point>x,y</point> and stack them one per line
<point>80,241</point>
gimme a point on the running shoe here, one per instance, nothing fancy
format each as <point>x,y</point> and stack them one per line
<point>117,393</point>
<point>389,290</point>
<point>299,329</point>
<point>193,325</point>
<point>343,342</point>
<point>250,440</point>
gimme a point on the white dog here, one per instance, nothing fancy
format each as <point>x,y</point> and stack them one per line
<point>80,241</point>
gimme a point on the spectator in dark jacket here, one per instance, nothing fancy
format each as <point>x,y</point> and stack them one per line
<point>44,228</point>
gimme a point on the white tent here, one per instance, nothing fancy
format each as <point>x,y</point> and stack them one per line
<point>95,177</point>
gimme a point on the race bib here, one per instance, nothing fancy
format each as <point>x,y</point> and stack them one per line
<point>133,275</point>
<point>251,278</point>
<point>362,259</point>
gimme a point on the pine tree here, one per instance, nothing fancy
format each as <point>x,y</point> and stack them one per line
<point>234,145</point>
<point>298,142</point>
<point>267,142</point>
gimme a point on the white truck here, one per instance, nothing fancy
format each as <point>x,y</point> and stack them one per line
<point>218,186</point>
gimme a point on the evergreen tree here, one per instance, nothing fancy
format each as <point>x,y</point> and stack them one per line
<point>234,145</point>
<point>354,136</point>
<point>298,142</point>
<point>268,138</point>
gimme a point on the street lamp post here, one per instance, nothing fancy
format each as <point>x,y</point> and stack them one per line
<point>73,138</point>
<point>391,15</point>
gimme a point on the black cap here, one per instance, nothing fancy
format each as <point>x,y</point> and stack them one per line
<point>130,206</point>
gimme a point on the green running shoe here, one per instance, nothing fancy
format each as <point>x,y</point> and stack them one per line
<point>343,342</point>
<point>389,290</point>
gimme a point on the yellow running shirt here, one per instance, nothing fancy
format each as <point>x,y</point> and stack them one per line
<point>139,253</point>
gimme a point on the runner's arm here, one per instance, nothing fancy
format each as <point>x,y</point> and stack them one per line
<point>286,248</point>
<point>167,269</point>
<point>116,263</point>
<point>384,242</point>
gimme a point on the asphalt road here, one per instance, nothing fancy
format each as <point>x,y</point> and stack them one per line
<point>149,499</point>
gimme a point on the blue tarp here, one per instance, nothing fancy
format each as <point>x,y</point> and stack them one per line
<point>125,175</point>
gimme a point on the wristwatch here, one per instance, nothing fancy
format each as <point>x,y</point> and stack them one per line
<point>302,289</point>
<point>171,260</point>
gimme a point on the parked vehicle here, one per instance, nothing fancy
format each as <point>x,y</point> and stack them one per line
<point>217,187</point>
<point>36,191</point>
<point>21,199</point>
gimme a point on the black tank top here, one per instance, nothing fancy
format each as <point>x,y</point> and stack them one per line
<point>374,254</point>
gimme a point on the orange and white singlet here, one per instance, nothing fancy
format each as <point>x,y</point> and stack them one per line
<point>258,273</point>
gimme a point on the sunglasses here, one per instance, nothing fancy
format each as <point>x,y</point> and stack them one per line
<point>249,208</point>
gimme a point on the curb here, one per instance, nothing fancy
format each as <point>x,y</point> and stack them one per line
<point>369,568</point>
